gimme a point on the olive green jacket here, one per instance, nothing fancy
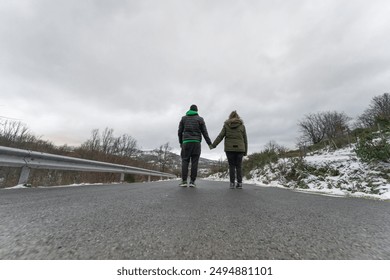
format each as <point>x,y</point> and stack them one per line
<point>235,136</point>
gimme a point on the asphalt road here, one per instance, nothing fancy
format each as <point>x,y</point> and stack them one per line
<point>163,221</point>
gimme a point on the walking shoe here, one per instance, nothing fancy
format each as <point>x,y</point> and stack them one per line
<point>192,184</point>
<point>239,186</point>
<point>232,185</point>
<point>183,184</point>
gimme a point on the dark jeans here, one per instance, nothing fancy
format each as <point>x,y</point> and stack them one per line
<point>235,165</point>
<point>190,152</point>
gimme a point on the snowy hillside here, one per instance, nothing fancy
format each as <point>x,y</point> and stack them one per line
<point>337,172</point>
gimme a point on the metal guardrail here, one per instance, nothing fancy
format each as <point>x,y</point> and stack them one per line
<point>11,157</point>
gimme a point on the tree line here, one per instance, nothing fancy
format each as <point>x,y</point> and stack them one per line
<point>101,146</point>
<point>331,126</point>
<point>370,132</point>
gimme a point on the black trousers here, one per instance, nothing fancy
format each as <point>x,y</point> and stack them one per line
<point>235,165</point>
<point>190,152</point>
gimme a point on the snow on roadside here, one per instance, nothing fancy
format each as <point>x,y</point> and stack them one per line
<point>76,185</point>
<point>336,173</point>
<point>17,187</point>
<point>61,186</point>
<point>355,177</point>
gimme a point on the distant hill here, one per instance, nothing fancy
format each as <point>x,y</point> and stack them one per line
<point>174,162</point>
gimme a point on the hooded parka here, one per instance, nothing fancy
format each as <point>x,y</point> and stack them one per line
<point>235,136</point>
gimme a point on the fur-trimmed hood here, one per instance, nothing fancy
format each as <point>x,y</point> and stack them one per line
<point>234,122</point>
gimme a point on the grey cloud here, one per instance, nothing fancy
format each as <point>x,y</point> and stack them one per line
<point>137,66</point>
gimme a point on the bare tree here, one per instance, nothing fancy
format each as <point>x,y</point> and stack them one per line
<point>366,120</point>
<point>335,124</point>
<point>107,144</point>
<point>323,126</point>
<point>125,145</point>
<point>378,111</point>
<point>93,144</point>
<point>14,132</point>
<point>312,128</point>
<point>107,140</point>
<point>273,146</point>
<point>164,156</point>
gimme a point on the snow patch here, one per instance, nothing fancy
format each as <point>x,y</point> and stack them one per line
<point>17,187</point>
<point>335,173</point>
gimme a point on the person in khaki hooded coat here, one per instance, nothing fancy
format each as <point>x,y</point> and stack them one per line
<point>236,146</point>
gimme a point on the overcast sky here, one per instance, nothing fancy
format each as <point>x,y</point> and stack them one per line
<point>69,66</point>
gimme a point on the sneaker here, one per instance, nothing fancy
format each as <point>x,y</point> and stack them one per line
<point>183,184</point>
<point>239,186</point>
<point>232,185</point>
<point>192,184</point>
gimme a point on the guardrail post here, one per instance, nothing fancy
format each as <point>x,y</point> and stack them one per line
<point>122,177</point>
<point>24,175</point>
<point>149,178</point>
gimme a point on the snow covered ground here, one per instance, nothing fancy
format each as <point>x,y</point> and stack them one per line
<point>338,173</point>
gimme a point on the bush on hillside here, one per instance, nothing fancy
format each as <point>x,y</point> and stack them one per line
<point>370,149</point>
<point>259,160</point>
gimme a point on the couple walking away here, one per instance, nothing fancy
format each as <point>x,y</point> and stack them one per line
<point>192,127</point>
